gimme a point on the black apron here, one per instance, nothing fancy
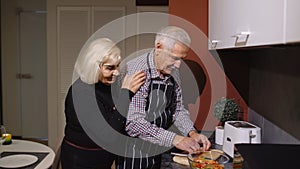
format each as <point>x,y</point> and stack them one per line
<point>159,111</point>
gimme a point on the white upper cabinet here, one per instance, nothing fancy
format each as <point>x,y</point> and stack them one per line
<point>242,23</point>
<point>292,20</point>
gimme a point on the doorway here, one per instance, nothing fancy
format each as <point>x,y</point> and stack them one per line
<point>32,74</point>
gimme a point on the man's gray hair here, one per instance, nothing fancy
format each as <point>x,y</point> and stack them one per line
<point>171,35</point>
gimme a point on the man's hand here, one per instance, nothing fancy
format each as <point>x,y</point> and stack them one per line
<point>200,138</point>
<point>186,143</point>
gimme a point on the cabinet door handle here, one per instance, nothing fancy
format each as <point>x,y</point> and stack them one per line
<point>214,43</point>
<point>241,39</point>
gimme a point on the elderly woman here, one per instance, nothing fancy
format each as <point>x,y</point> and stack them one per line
<point>89,99</point>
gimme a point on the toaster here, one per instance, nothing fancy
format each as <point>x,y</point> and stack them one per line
<point>236,132</point>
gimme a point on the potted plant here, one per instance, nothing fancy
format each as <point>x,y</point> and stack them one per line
<point>225,109</point>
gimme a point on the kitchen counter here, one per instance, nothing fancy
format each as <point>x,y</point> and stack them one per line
<point>269,156</point>
<point>168,163</point>
<point>167,158</point>
<point>258,156</point>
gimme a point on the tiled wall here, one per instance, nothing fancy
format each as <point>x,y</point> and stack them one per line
<point>270,132</point>
<point>274,91</point>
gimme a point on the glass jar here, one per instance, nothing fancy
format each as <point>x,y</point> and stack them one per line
<point>237,162</point>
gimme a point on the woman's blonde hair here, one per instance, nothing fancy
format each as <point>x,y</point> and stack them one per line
<point>98,51</point>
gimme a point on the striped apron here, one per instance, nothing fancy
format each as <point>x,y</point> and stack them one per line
<point>159,111</point>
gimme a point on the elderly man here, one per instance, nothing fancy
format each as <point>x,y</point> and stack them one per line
<point>157,106</point>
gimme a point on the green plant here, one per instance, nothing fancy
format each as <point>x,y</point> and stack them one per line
<point>226,110</point>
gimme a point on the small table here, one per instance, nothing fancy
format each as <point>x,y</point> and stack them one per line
<point>30,147</point>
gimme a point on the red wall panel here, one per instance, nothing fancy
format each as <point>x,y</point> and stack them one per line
<point>196,12</point>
